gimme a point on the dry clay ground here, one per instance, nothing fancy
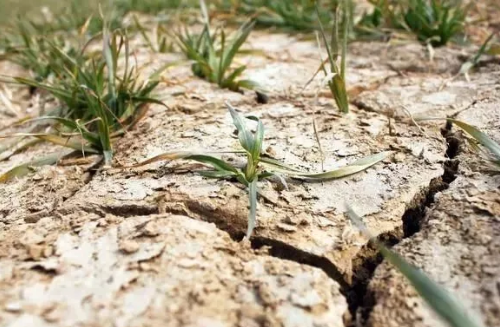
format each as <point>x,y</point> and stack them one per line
<point>160,245</point>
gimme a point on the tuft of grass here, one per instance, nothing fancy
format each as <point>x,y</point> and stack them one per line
<point>258,167</point>
<point>336,48</point>
<point>435,21</point>
<point>292,15</point>
<point>25,46</point>
<point>97,102</point>
<point>443,303</point>
<point>152,6</point>
<point>213,54</point>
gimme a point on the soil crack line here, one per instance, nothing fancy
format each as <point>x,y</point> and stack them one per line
<point>361,301</point>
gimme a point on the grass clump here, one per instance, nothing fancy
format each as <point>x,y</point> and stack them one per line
<point>212,55</point>
<point>296,15</point>
<point>435,21</point>
<point>25,46</point>
<point>337,50</point>
<point>443,303</point>
<point>258,166</point>
<point>432,21</point>
<point>97,102</point>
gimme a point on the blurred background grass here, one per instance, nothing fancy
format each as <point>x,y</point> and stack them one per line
<point>11,8</point>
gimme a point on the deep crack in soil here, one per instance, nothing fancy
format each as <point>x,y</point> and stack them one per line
<point>360,301</point>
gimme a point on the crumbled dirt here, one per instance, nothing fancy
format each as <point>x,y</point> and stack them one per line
<point>160,245</point>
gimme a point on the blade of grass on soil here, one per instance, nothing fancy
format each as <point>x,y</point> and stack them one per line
<point>250,174</point>
<point>479,136</point>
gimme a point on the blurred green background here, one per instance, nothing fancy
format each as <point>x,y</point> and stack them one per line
<point>11,8</point>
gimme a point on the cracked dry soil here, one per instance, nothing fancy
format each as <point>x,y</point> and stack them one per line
<point>161,246</point>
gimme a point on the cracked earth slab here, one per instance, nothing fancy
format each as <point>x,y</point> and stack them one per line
<point>91,228</point>
<point>458,248</point>
<point>161,269</point>
<point>308,216</point>
<point>429,96</point>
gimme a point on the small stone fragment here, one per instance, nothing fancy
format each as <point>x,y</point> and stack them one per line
<point>129,246</point>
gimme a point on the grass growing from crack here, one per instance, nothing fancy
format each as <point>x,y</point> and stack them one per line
<point>336,48</point>
<point>443,303</point>
<point>257,166</point>
<point>98,103</point>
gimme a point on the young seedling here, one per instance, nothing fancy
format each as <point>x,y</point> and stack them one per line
<point>98,104</point>
<point>259,167</point>
<point>337,48</point>
<point>443,303</point>
<point>212,55</point>
<point>435,21</point>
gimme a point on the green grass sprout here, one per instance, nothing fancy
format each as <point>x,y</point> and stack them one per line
<point>259,167</point>
<point>335,49</point>
<point>442,302</point>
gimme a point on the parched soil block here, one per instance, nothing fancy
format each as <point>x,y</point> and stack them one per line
<point>155,270</point>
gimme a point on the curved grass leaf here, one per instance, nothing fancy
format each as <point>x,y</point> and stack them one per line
<point>447,307</point>
<point>244,135</point>
<point>252,214</point>
<point>63,141</point>
<point>355,167</point>
<point>481,137</point>
<point>216,163</point>
<point>26,168</point>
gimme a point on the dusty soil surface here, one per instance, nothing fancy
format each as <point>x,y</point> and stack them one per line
<point>161,246</point>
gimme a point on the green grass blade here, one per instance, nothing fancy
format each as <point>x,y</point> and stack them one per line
<point>216,163</point>
<point>448,308</point>
<point>259,139</point>
<point>252,215</point>
<point>244,135</point>
<point>333,65</point>
<point>481,137</point>
<point>345,32</point>
<point>353,168</point>
<point>26,168</point>
<point>218,174</point>
<point>63,141</point>
<point>236,44</point>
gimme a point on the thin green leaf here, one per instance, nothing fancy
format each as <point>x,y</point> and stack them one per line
<point>353,168</point>
<point>252,215</point>
<point>244,135</point>
<point>55,139</point>
<point>481,137</point>
<point>216,163</point>
<point>259,138</point>
<point>26,168</point>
